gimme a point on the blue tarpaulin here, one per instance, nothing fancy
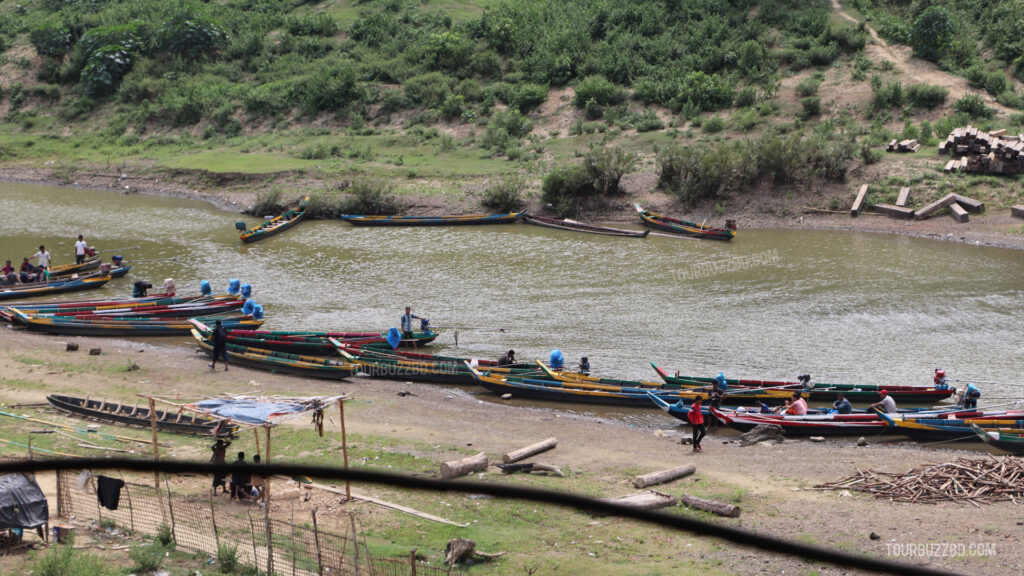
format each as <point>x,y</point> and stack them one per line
<point>394,337</point>
<point>248,411</point>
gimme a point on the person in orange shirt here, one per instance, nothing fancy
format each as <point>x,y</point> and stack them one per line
<point>797,406</point>
<point>696,419</point>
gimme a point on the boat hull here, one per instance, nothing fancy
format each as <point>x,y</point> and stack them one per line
<point>139,417</point>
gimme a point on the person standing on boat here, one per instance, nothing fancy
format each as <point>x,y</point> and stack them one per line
<point>696,419</point>
<point>798,406</point>
<point>585,366</point>
<point>886,404</point>
<point>44,257</point>
<point>407,322</point>
<point>220,345</point>
<point>508,359</point>
<point>81,246</point>
<point>842,405</point>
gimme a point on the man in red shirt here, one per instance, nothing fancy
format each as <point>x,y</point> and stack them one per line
<point>696,419</point>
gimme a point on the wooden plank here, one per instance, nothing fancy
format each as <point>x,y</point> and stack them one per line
<point>957,212</point>
<point>372,500</point>
<point>969,204</point>
<point>935,206</point>
<point>532,449</point>
<point>894,211</point>
<point>859,202</point>
<point>904,196</point>
<point>653,478</point>
<point>1017,211</point>
<point>951,166</point>
<point>997,133</point>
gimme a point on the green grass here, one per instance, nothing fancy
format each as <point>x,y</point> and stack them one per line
<point>346,12</point>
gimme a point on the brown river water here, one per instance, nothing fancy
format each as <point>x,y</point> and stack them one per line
<point>841,306</point>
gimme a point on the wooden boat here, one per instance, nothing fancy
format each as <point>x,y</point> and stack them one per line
<point>309,366</point>
<point>574,226</point>
<point>274,226</point>
<point>135,415</point>
<point>154,301</point>
<point>120,327</point>
<point>69,269</point>
<point>952,430</point>
<point>584,392</point>
<point>206,307</point>
<point>683,227</point>
<point>805,425</point>
<point>317,343</point>
<point>380,363</point>
<point>464,219</point>
<point>1008,441</point>
<point>819,391</point>
<point>54,287</point>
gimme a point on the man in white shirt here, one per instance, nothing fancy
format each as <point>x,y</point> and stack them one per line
<point>80,247</point>
<point>887,404</point>
<point>44,257</point>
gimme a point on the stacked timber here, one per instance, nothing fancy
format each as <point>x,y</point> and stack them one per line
<point>958,206</point>
<point>903,145</point>
<point>989,153</point>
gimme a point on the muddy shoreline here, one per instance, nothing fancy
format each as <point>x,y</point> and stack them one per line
<point>994,229</point>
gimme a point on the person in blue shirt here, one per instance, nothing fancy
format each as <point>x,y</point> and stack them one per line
<point>971,396</point>
<point>842,405</point>
<point>407,322</point>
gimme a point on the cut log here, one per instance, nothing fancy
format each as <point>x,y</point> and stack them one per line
<point>760,433</point>
<point>95,351</point>
<point>950,166</point>
<point>542,446</point>
<point>467,465</point>
<point>998,133</point>
<point>1017,211</point>
<point>935,206</point>
<point>649,500</point>
<point>894,211</point>
<point>528,467</point>
<point>957,212</point>
<point>904,196</point>
<point>72,346</point>
<point>653,478</point>
<point>720,508</point>
<point>970,204</point>
<point>859,202</point>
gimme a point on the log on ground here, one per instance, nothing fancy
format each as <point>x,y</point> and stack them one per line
<point>720,508</point>
<point>904,196</point>
<point>532,449</point>
<point>468,465</point>
<point>859,202</point>
<point>649,500</point>
<point>528,467</point>
<point>762,432</point>
<point>958,213</point>
<point>653,478</point>
<point>970,204</point>
<point>894,211</point>
<point>935,206</point>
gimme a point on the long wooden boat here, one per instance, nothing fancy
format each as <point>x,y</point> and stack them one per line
<point>69,269</point>
<point>184,310</point>
<point>309,366</point>
<point>135,415</point>
<point>275,225</point>
<point>464,219</point>
<point>131,327</point>
<point>952,430</point>
<point>154,301</point>
<point>574,226</point>
<point>317,343</point>
<point>682,227</point>
<point>819,391</point>
<point>807,425</point>
<point>379,363</point>
<point>1008,441</point>
<point>54,287</point>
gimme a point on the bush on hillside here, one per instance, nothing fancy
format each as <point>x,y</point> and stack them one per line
<point>932,33</point>
<point>598,89</point>
<point>51,39</point>
<point>191,36</point>
<point>606,167</point>
<point>506,195</point>
<point>370,198</point>
<point>926,95</point>
<point>565,187</point>
<point>973,106</point>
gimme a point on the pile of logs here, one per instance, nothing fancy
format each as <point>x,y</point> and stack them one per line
<point>989,153</point>
<point>903,146</point>
<point>977,481</point>
<point>958,206</point>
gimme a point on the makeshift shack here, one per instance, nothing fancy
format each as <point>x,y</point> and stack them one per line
<point>22,507</point>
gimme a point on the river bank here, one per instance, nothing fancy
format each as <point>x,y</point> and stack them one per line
<point>411,432</point>
<point>793,210</point>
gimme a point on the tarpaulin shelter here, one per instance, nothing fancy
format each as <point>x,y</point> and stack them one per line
<point>22,503</point>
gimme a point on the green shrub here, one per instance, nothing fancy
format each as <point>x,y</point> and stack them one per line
<point>370,198</point>
<point>713,125</point>
<point>268,203</point>
<point>599,90</point>
<point>868,154</point>
<point>746,96</point>
<point>808,87</point>
<point>147,558</point>
<point>606,167</point>
<point>165,537</point>
<point>973,106</point>
<point>319,24</point>
<point>647,121</point>
<point>504,128</point>
<point>910,131</point>
<point>227,558</point>
<point>925,133</point>
<point>996,82</point>
<point>104,70</point>
<point>51,39</point>
<point>564,187</point>
<point>887,96</point>
<point>505,195</point>
<point>328,89</point>
<point>190,35</point>
<point>926,95</point>
<point>1011,99</point>
<point>932,33</point>
<point>428,89</point>
<point>810,107</point>
<point>66,561</point>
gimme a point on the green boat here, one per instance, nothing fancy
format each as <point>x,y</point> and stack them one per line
<point>309,366</point>
<point>276,225</point>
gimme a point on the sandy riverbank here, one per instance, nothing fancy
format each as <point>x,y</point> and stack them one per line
<point>756,211</point>
<point>771,483</point>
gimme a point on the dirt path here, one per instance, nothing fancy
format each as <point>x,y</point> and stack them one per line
<point>917,70</point>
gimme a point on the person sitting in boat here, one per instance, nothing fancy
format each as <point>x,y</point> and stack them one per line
<point>43,275</point>
<point>585,366</point>
<point>169,287</point>
<point>842,405</point>
<point>406,322</point>
<point>507,359</point>
<point>764,408</point>
<point>26,266</point>
<point>971,396</point>
<point>940,379</point>
<point>797,405</point>
<point>886,404</point>
<point>8,269</point>
<point>139,291</point>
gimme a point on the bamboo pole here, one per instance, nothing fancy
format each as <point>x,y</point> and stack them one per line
<point>156,445</point>
<point>316,541</point>
<point>256,433</point>
<point>266,479</point>
<point>344,447</point>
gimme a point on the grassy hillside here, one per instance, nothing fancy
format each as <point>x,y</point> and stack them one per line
<point>435,94</point>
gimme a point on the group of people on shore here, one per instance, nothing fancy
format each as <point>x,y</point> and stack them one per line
<point>28,273</point>
<point>243,487</point>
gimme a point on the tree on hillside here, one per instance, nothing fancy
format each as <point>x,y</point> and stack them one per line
<point>932,33</point>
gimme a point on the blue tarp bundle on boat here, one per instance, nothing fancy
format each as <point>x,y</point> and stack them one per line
<point>249,411</point>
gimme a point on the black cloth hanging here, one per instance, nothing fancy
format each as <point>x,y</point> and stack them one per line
<point>108,491</point>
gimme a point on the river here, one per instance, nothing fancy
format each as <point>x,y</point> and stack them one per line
<point>841,306</point>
